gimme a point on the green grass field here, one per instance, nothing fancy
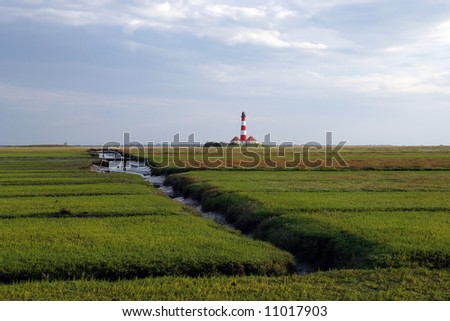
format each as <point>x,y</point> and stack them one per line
<point>335,219</point>
<point>363,239</point>
<point>123,248</point>
<point>23,177</point>
<point>344,285</point>
<point>93,205</point>
<point>69,222</point>
<point>69,233</point>
<point>319,181</point>
<point>43,152</point>
<point>356,157</point>
<point>74,190</point>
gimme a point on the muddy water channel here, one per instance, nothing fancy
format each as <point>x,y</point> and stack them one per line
<point>116,165</point>
<point>134,167</point>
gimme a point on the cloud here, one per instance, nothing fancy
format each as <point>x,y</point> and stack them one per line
<point>440,33</point>
<point>270,38</point>
<point>397,83</point>
<point>234,12</point>
<point>282,30</point>
<point>286,48</point>
<point>282,13</point>
<point>133,45</point>
<point>310,8</point>
<point>230,24</point>
<point>38,100</point>
<point>160,11</point>
<point>222,73</point>
<point>288,81</point>
<point>69,16</point>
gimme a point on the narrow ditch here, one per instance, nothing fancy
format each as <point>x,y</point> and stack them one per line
<point>134,167</point>
<point>137,168</point>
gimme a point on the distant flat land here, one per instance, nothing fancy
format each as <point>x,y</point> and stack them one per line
<point>355,157</point>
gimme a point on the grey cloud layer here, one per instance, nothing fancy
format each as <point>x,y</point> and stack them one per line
<point>301,56</point>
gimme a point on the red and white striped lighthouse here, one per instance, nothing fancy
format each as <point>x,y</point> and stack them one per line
<point>243,128</point>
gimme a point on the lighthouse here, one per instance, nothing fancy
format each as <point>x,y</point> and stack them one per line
<point>243,128</point>
<point>243,140</point>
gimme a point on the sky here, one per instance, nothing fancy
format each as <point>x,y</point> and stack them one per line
<point>372,72</point>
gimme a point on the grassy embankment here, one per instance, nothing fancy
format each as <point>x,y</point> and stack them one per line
<point>340,219</point>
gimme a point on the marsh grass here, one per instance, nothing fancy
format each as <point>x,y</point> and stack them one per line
<point>402,221</point>
<point>130,247</point>
<point>344,285</point>
<point>61,221</point>
<point>89,236</point>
